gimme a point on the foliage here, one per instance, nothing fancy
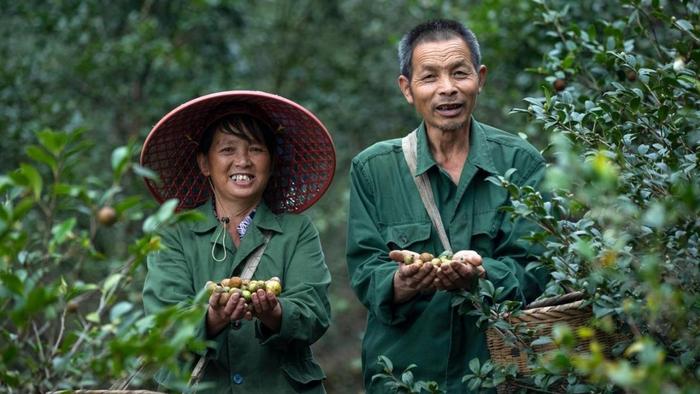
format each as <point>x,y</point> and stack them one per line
<point>622,221</point>
<point>407,383</point>
<point>619,219</point>
<point>68,315</point>
<point>114,68</point>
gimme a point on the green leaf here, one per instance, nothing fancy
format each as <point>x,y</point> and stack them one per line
<point>80,288</point>
<point>386,363</point>
<point>165,212</point>
<point>621,373</point>
<point>407,377</point>
<point>41,156</point>
<point>655,216</point>
<point>12,282</point>
<point>53,141</point>
<point>541,341</point>
<point>474,384</point>
<point>684,25</point>
<point>127,203</point>
<point>111,282</point>
<point>487,288</point>
<point>145,172</point>
<point>475,365</point>
<point>509,173</point>
<point>167,209</point>
<point>120,160</point>
<point>119,310</point>
<point>563,335</point>
<point>63,230</point>
<point>584,249</point>
<point>93,317</point>
<point>33,178</point>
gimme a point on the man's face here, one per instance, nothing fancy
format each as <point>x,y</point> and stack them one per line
<point>444,84</point>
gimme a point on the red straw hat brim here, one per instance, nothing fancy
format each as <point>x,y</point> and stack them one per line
<point>305,153</point>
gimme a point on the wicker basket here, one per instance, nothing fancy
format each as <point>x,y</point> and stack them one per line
<point>541,316</point>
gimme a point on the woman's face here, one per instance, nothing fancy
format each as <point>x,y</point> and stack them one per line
<point>239,169</point>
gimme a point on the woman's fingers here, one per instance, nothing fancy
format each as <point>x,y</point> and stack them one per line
<point>233,306</point>
<point>263,302</point>
<point>214,299</point>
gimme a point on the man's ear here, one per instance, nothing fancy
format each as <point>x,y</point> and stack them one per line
<point>405,86</point>
<point>203,164</point>
<point>483,71</point>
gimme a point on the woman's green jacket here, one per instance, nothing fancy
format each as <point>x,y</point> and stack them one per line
<point>249,359</point>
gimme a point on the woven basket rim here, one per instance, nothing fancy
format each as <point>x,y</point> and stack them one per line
<point>556,300</point>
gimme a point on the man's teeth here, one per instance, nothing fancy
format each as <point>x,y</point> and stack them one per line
<point>240,178</point>
<point>447,106</point>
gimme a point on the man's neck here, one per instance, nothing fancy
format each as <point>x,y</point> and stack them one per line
<point>450,149</point>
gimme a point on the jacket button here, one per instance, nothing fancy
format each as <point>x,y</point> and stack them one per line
<point>403,238</point>
<point>237,378</point>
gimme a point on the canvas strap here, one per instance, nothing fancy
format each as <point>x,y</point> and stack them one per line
<point>409,145</point>
<point>248,270</point>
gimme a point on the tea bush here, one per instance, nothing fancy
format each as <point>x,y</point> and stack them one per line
<point>70,314</point>
<point>619,213</point>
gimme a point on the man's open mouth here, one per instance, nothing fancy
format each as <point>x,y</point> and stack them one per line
<point>448,107</point>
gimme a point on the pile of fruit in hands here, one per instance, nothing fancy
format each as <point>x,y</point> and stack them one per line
<point>409,257</point>
<point>246,287</point>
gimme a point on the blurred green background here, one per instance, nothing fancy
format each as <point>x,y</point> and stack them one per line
<point>114,68</point>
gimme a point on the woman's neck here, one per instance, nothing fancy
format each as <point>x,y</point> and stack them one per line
<point>234,212</point>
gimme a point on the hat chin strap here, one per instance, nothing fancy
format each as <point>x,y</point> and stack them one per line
<point>224,220</point>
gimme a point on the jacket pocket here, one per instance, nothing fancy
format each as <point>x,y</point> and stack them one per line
<point>484,232</point>
<point>402,236</point>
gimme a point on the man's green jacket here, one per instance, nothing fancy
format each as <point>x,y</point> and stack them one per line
<point>387,213</point>
<point>249,359</point>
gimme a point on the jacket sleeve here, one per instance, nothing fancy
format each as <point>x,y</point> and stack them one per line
<point>508,266</point>
<point>371,271</point>
<point>169,282</point>
<point>305,304</point>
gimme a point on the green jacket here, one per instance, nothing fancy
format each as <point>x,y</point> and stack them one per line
<point>248,360</point>
<point>386,213</point>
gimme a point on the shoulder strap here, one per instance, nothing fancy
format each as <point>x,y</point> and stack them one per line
<point>248,270</point>
<point>252,263</point>
<point>409,144</point>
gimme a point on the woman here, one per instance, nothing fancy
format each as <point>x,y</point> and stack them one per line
<point>249,162</point>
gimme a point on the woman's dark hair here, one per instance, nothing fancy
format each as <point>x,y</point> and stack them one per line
<point>247,127</point>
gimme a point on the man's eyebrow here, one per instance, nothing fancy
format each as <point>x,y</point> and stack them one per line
<point>436,66</point>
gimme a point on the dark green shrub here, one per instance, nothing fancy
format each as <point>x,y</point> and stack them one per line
<point>70,308</point>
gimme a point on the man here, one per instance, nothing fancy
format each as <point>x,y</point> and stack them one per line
<point>411,319</point>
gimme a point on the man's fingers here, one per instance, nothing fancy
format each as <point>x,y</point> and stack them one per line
<point>449,272</point>
<point>481,271</point>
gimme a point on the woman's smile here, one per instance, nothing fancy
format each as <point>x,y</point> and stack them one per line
<point>239,168</point>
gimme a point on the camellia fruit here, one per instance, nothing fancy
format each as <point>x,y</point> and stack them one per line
<point>559,84</point>
<point>107,216</point>
<point>274,287</point>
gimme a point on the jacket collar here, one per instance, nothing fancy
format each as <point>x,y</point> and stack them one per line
<point>480,150</point>
<point>264,219</point>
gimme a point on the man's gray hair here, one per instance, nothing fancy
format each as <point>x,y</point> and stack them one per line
<point>436,30</point>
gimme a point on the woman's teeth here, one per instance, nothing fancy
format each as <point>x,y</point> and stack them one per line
<point>240,178</point>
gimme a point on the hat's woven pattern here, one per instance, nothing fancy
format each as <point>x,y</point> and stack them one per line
<point>305,153</point>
